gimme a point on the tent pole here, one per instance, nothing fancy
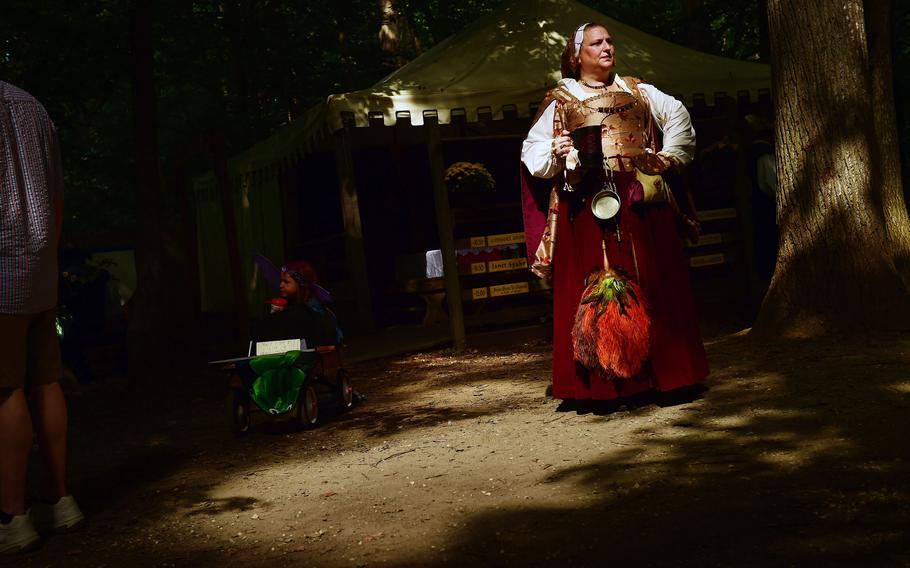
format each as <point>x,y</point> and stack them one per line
<point>446,235</point>
<point>353,231</point>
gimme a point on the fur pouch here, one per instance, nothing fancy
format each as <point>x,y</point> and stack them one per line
<point>649,185</point>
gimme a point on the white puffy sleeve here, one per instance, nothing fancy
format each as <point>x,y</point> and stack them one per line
<point>536,151</point>
<point>674,121</point>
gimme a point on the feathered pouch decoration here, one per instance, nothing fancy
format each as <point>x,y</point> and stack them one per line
<point>612,331</point>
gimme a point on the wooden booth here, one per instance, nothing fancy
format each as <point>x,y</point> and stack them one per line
<point>357,186</point>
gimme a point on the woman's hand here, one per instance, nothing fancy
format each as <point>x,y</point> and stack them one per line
<point>562,145</point>
<point>666,162</point>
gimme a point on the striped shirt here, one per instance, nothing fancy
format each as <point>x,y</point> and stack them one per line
<point>31,188</point>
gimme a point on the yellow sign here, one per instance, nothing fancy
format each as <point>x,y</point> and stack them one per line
<point>717,214</point>
<point>478,242</point>
<point>505,239</point>
<point>509,289</point>
<point>706,260</point>
<point>508,264</point>
<point>707,239</point>
<point>478,267</point>
<point>479,293</point>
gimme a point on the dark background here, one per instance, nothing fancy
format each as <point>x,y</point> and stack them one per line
<point>241,69</point>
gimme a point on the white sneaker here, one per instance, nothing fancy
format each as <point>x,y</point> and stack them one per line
<point>18,535</point>
<point>63,516</point>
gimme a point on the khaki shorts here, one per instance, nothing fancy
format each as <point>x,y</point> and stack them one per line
<point>29,350</point>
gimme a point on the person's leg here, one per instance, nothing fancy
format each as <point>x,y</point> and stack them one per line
<point>56,511</point>
<point>49,414</point>
<point>15,445</point>
<point>15,420</point>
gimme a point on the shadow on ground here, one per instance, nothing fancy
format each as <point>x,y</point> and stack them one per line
<point>797,456</point>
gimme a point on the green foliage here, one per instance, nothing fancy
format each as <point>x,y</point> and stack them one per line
<point>730,29</point>
<point>74,60</point>
<point>243,68</point>
<point>435,20</point>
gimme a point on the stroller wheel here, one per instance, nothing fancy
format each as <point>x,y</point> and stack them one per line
<point>308,407</point>
<point>345,390</point>
<point>238,412</point>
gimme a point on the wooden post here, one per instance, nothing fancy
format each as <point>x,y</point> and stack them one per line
<point>446,235</point>
<point>353,231</point>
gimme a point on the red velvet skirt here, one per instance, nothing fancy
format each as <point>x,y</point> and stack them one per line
<point>677,355</point>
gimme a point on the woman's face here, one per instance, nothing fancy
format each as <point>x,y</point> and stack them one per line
<point>288,286</point>
<point>596,52</point>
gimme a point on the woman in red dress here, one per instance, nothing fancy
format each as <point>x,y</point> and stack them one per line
<point>566,242</point>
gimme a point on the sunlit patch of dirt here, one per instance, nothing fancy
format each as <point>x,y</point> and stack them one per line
<point>795,454</point>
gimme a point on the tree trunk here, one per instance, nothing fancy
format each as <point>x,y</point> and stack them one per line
<point>147,304</point>
<point>389,38</point>
<point>396,39</point>
<point>236,17</point>
<point>695,25</point>
<point>879,15</point>
<point>235,263</point>
<point>764,44</point>
<point>836,266</point>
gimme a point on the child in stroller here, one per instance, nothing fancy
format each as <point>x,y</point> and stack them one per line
<point>299,380</point>
<point>300,311</point>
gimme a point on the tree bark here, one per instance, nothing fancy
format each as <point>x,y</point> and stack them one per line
<point>396,38</point>
<point>235,17</point>
<point>695,26</point>
<point>389,37</point>
<point>764,44</point>
<point>836,267</point>
<point>241,302</point>
<point>146,306</point>
<point>879,15</point>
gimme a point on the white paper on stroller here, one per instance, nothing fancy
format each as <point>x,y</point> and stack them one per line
<point>280,346</point>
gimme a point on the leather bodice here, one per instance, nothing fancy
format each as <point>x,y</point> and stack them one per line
<point>624,119</point>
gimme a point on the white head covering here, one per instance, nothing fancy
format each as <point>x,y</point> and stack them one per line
<point>579,37</point>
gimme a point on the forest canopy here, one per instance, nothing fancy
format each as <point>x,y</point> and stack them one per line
<point>240,69</point>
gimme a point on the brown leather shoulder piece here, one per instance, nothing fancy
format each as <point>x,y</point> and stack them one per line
<point>563,94</point>
<point>633,83</point>
<point>547,99</point>
<point>558,93</point>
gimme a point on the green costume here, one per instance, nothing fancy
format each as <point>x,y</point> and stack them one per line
<point>280,378</point>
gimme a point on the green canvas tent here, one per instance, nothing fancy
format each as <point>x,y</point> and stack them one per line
<point>508,57</point>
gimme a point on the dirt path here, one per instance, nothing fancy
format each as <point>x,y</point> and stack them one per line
<point>795,455</point>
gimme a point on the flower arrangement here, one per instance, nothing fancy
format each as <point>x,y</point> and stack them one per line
<point>468,176</point>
